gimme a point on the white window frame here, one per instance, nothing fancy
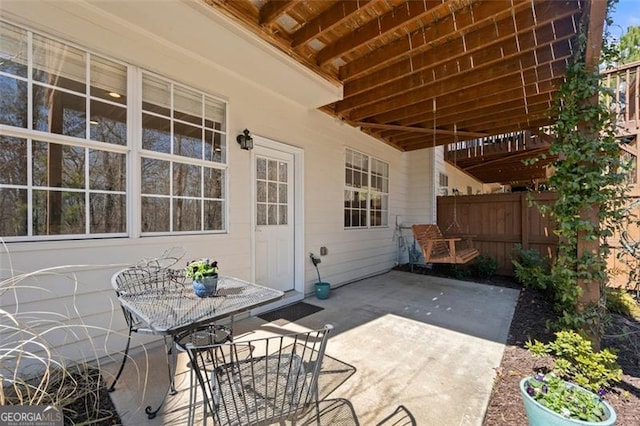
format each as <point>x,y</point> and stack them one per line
<point>367,190</point>
<point>132,150</point>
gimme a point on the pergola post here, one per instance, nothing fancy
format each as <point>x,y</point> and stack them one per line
<point>590,294</point>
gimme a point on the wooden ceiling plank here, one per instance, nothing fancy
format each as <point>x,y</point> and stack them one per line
<point>463,117</point>
<point>475,43</point>
<point>391,21</point>
<point>425,38</point>
<point>327,20</point>
<point>484,69</point>
<point>413,129</point>
<point>511,79</point>
<point>273,9</point>
<point>452,87</point>
<point>451,105</point>
<point>450,115</point>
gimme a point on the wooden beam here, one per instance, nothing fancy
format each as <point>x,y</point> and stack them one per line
<point>463,73</point>
<point>473,47</point>
<point>416,129</point>
<point>470,87</point>
<point>273,9</point>
<point>466,19</point>
<point>327,20</point>
<point>396,19</point>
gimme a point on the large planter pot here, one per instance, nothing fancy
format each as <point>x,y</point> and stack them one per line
<point>539,415</point>
<point>205,286</point>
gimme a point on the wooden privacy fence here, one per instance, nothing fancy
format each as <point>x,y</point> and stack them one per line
<point>498,222</point>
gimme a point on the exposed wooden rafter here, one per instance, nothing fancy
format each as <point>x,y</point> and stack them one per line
<point>413,71</point>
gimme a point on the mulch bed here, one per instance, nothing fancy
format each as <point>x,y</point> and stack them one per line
<point>529,322</point>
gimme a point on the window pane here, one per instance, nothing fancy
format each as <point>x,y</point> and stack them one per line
<point>156,134</point>
<point>155,214</point>
<point>13,212</point>
<point>108,80</point>
<point>13,50</point>
<point>186,180</point>
<point>282,193</point>
<point>187,105</point>
<point>213,215</point>
<point>213,183</point>
<point>214,146</point>
<point>186,215</point>
<point>272,192</point>
<point>272,170</point>
<point>13,102</point>
<point>156,95</point>
<point>261,214</point>
<point>58,112</point>
<point>108,213</point>
<point>107,171</point>
<point>261,192</point>
<point>272,214</point>
<point>58,212</point>
<point>187,140</point>
<point>283,167</point>
<point>108,123</point>
<point>214,113</point>
<point>155,176</point>
<point>60,166</point>
<point>58,64</point>
<point>282,220</point>
<point>261,168</point>
<point>13,161</point>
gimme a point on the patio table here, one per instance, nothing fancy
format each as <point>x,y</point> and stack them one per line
<point>171,310</point>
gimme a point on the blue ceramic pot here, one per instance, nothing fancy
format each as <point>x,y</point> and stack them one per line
<point>539,415</point>
<point>205,286</point>
<point>322,290</point>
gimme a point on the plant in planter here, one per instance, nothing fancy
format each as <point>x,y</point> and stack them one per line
<point>549,399</point>
<point>204,273</point>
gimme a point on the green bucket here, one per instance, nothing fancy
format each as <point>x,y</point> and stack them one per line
<point>322,290</point>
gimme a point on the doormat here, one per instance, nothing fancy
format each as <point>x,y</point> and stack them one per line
<point>291,313</point>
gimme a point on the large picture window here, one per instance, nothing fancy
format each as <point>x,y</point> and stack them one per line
<point>65,142</point>
<point>183,152</point>
<point>366,195</point>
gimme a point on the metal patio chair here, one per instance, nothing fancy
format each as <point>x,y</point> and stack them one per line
<point>260,381</point>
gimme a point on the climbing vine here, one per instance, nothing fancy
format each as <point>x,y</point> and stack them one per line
<point>590,176</point>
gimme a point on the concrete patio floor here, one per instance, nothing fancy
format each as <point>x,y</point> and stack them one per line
<point>417,344</point>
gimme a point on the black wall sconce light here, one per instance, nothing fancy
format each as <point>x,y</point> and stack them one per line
<point>245,140</point>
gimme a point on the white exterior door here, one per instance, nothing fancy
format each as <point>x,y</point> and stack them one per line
<point>275,224</point>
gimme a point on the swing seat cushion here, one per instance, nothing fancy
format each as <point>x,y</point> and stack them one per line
<point>438,249</point>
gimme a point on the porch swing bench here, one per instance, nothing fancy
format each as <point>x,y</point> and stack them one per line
<point>439,249</point>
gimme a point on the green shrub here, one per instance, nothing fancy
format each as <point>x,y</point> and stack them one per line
<point>531,269</point>
<point>623,303</point>
<point>485,267</point>
<point>576,361</point>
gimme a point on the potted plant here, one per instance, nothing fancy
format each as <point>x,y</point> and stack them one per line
<point>322,289</point>
<point>204,273</point>
<point>549,400</point>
